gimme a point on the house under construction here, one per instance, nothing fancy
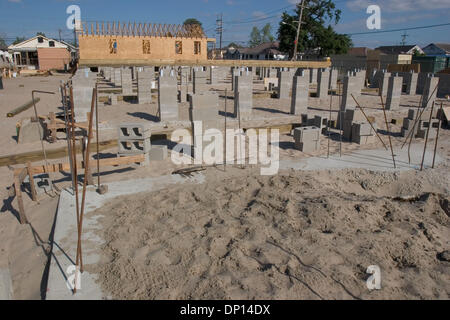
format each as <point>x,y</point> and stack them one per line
<point>132,41</point>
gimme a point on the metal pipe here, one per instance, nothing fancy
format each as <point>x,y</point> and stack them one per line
<point>373,128</point>
<point>225,132</point>
<point>426,137</point>
<point>415,123</point>
<point>388,131</point>
<point>340,120</point>
<point>411,133</point>
<point>437,135</point>
<point>96,132</point>
<point>86,171</point>
<point>79,257</point>
<point>328,125</point>
<point>37,118</point>
<point>68,132</point>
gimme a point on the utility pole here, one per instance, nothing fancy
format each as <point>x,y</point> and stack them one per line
<point>404,35</point>
<point>59,30</point>
<point>219,30</point>
<point>294,58</point>
<point>75,33</point>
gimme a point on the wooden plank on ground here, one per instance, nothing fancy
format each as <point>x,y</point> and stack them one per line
<point>58,167</point>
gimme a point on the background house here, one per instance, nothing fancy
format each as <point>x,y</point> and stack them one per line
<point>437,49</point>
<point>6,64</point>
<point>42,53</point>
<point>400,50</point>
<point>264,51</point>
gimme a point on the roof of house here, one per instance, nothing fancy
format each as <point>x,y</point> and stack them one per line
<point>358,51</point>
<point>263,48</point>
<point>396,49</point>
<point>33,43</point>
<point>443,46</point>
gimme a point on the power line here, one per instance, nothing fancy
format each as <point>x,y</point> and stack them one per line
<point>260,19</point>
<point>400,29</point>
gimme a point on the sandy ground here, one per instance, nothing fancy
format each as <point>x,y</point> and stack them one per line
<point>296,235</point>
<point>24,247</point>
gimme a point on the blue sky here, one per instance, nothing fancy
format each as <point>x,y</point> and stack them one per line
<point>26,17</point>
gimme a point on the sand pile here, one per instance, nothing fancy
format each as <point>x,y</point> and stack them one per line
<point>298,235</point>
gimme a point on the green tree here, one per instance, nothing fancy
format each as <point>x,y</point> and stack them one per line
<point>192,21</point>
<point>255,38</point>
<point>18,40</point>
<point>234,45</point>
<point>40,34</point>
<point>2,41</point>
<point>266,33</point>
<point>313,33</point>
<point>418,54</point>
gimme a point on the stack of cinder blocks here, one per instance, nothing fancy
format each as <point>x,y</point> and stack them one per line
<point>350,116</point>
<point>422,126</point>
<point>307,139</point>
<point>134,139</point>
<point>363,133</point>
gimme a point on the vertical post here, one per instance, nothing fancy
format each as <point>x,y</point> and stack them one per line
<point>294,58</point>
<point>22,216</point>
<point>328,125</point>
<point>32,186</point>
<point>96,132</point>
<point>426,137</point>
<point>388,131</point>
<point>437,135</point>
<point>225,131</point>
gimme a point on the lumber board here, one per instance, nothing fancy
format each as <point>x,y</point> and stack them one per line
<point>218,63</point>
<point>58,167</point>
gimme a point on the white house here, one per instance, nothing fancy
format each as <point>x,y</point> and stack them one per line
<point>42,53</point>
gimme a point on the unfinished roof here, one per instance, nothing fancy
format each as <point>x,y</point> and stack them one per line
<point>142,30</point>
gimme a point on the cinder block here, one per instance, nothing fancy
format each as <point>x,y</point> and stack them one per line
<point>304,134</point>
<point>113,99</point>
<point>129,146</point>
<point>158,153</point>
<point>347,130</point>
<point>310,146</point>
<point>364,139</point>
<point>362,129</point>
<point>354,115</point>
<point>134,131</point>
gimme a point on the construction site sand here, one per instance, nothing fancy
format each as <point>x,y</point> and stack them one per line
<point>297,235</point>
<point>23,247</point>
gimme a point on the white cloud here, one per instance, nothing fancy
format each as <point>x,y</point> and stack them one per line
<point>399,5</point>
<point>15,1</point>
<point>259,14</point>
